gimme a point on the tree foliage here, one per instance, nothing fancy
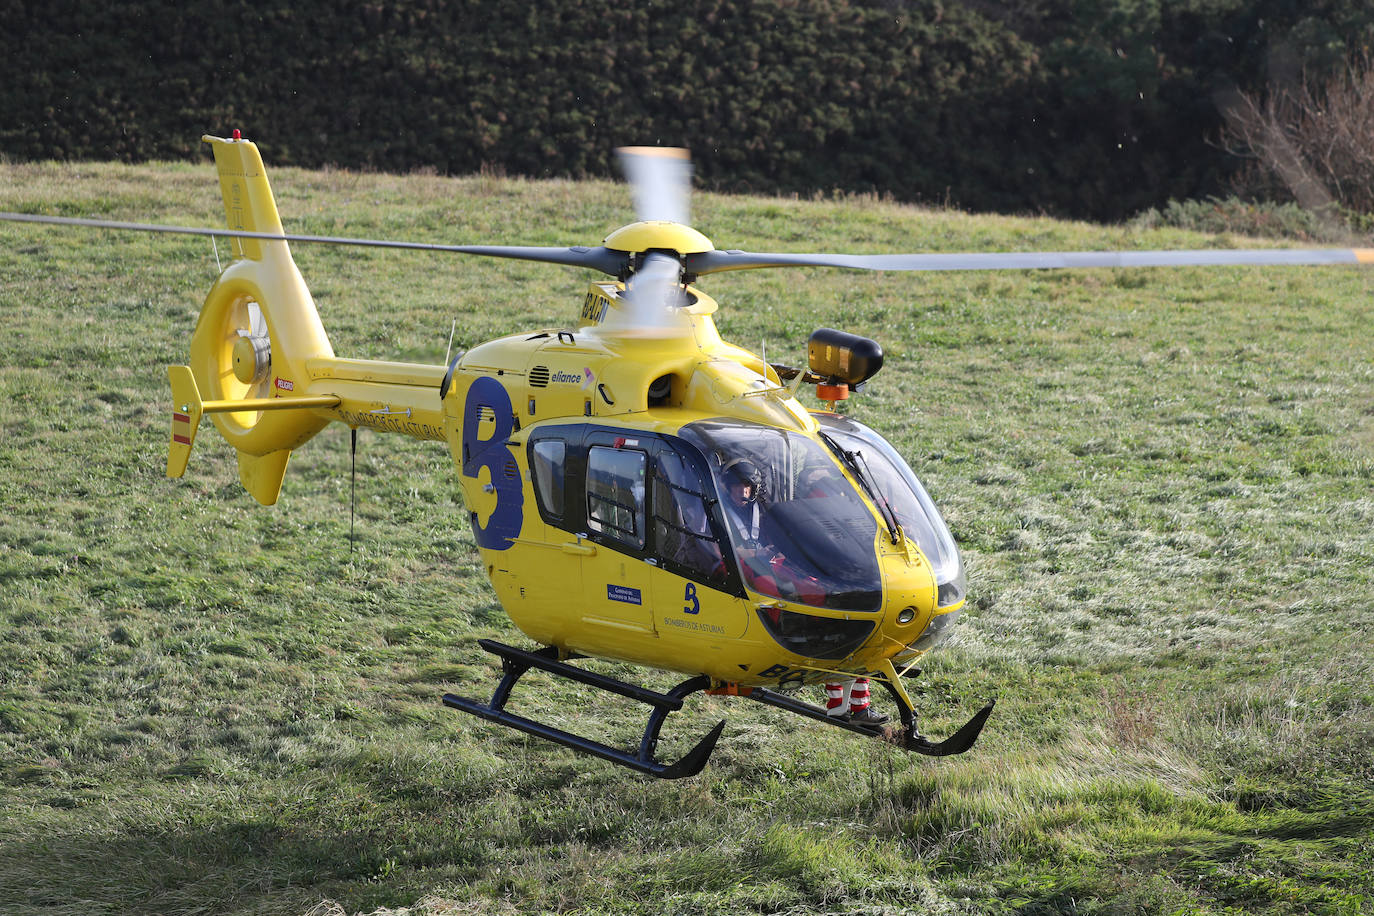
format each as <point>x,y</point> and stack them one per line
<point>1085,107</point>
<point>1315,139</point>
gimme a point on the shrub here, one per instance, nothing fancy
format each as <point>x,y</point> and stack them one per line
<point>1264,219</point>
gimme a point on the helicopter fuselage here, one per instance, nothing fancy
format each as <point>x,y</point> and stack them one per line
<point>592,465</point>
<point>638,488</point>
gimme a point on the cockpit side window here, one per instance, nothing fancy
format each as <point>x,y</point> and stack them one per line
<point>615,494</point>
<point>683,536</point>
<point>547,458</point>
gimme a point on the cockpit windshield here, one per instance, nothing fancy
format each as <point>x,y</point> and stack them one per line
<point>799,529</point>
<point>895,482</point>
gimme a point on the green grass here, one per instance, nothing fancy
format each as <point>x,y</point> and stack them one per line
<point>1161,481</point>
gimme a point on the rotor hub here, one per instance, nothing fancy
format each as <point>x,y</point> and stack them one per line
<point>658,235</point>
<point>252,359</point>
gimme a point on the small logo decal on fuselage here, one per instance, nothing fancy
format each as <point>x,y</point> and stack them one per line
<point>623,594</point>
<point>582,379</point>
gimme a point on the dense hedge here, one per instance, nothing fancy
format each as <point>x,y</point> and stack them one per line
<point>1087,107</point>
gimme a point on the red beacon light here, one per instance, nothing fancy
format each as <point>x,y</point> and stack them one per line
<point>238,135</point>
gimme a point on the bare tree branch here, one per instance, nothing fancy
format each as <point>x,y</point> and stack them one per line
<point>1317,139</point>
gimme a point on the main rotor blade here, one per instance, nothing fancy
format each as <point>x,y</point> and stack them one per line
<point>599,258</point>
<point>661,181</point>
<point>612,263</point>
<point>708,262</point>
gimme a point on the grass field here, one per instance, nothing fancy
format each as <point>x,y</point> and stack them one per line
<point>1161,482</point>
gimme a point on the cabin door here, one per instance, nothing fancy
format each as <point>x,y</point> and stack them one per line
<point>616,577</point>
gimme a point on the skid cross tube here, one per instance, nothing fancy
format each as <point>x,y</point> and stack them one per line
<point>515,662</point>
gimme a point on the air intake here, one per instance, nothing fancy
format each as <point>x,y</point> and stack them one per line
<point>539,377</point>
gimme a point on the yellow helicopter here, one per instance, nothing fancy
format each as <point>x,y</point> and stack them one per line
<point>639,489</point>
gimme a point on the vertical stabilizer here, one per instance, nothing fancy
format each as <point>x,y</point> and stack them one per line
<point>248,201</point>
<point>187,409</point>
<point>262,475</point>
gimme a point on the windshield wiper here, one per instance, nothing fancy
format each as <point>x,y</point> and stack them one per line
<point>858,466</point>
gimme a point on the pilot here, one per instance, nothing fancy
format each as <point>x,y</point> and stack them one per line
<point>758,556</point>
<point>765,567</point>
<point>744,486</point>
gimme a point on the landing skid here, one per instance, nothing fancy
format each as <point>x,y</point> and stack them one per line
<point>907,737</point>
<point>516,662</point>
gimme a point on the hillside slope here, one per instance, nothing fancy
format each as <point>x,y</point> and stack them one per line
<point>1161,482</point>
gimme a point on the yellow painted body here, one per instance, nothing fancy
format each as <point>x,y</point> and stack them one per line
<point>562,588</point>
<point>554,585</point>
<point>649,234</point>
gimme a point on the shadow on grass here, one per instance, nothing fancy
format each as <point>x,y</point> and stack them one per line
<point>238,867</point>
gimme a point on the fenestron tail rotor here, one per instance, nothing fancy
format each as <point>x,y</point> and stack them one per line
<point>252,352</point>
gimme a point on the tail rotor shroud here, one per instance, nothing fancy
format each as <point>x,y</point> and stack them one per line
<point>257,331</point>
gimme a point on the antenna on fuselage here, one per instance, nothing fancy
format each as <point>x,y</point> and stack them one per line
<point>352,484</point>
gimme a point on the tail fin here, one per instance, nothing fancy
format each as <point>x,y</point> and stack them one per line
<point>248,201</point>
<point>257,334</point>
<point>187,409</point>
<point>262,475</point>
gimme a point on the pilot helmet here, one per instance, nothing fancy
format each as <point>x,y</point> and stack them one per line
<point>744,471</point>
